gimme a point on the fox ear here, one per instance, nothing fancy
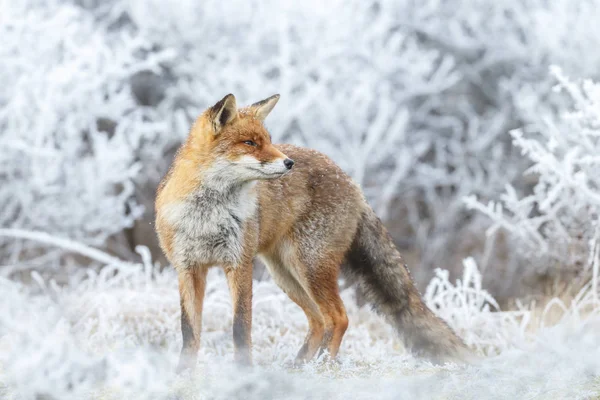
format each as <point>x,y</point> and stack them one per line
<point>264,107</point>
<point>224,112</point>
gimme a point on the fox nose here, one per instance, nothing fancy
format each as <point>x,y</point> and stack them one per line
<point>289,163</point>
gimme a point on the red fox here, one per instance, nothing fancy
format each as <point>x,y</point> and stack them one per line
<point>231,195</point>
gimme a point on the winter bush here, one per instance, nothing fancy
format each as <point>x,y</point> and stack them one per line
<point>502,51</point>
<point>67,166</point>
<point>411,98</point>
<point>556,225</point>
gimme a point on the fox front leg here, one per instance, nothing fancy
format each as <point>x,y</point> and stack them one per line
<point>239,279</point>
<point>192,283</point>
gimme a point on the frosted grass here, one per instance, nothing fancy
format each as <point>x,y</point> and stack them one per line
<point>115,334</point>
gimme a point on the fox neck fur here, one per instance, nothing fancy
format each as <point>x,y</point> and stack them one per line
<point>209,224</point>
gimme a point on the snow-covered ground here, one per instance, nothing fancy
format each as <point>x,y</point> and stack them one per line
<point>115,334</point>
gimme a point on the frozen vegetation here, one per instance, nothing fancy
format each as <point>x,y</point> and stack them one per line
<point>414,99</point>
<point>114,334</point>
<point>473,126</point>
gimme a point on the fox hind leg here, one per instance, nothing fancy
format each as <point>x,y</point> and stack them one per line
<point>314,287</point>
<point>292,287</point>
<point>324,290</point>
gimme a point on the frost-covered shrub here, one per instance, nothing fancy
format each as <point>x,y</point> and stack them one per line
<point>554,226</point>
<point>502,51</point>
<point>473,312</point>
<point>69,124</point>
<point>411,98</point>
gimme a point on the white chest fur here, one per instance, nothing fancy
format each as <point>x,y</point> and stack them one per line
<point>209,226</point>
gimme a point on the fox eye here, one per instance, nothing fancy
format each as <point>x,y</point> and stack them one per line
<point>250,143</point>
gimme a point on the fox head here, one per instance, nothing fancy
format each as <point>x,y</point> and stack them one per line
<point>236,144</point>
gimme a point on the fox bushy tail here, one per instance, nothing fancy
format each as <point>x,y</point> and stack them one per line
<point>375,262</point>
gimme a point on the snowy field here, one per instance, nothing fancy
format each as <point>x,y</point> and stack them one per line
<point>114,334</point>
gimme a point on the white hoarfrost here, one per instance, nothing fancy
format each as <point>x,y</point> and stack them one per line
<point>114,334</point>
<point>70,167</point>
<point>554,226</point>
<point>411,98</point>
